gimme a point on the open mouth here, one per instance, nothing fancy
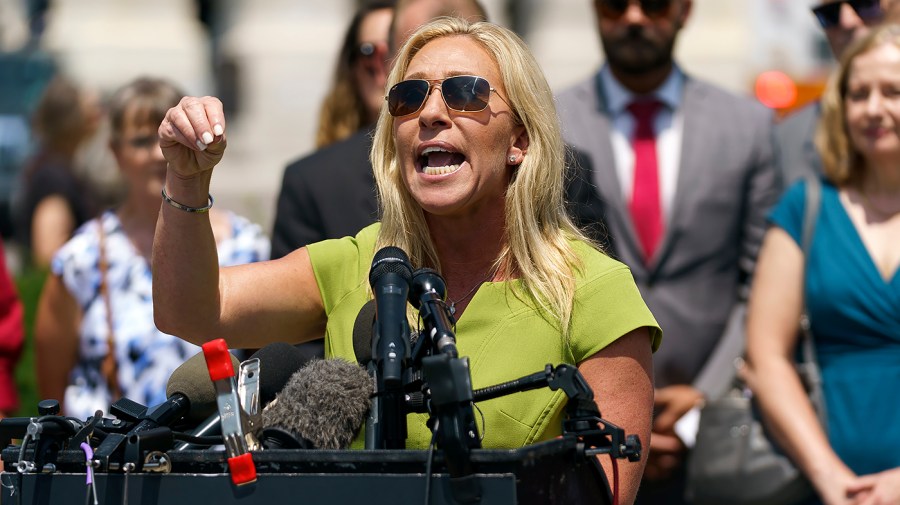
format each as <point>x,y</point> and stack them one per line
<point>439,161</point>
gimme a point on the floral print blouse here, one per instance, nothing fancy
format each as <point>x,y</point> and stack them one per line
<point>145,356</point>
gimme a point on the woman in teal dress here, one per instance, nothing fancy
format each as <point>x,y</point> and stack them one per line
<point>851,290</point>
<point>469,164</point>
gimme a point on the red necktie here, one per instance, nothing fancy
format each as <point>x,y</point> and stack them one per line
<point>645,206</point>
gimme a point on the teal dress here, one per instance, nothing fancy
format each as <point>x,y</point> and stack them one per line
<point>855,316</point>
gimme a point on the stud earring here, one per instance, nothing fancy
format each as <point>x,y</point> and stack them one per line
<point>512,158</point>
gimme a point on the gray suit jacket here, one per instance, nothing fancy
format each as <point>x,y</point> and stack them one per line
<point>797,152</point>
<point>727,182</point>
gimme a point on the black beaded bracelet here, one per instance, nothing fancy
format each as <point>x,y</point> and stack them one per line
<point>195,210</point>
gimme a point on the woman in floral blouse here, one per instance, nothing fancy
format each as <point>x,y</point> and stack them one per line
<point>95,336</point>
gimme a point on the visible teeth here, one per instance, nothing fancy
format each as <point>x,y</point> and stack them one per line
<point>449,169</point>
<point>434,149</point>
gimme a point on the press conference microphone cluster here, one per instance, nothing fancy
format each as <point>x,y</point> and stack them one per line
<point>277,363</point>
<point>447,381</point>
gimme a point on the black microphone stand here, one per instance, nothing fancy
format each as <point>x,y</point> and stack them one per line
<point>449,382</point>
<point>583,418</point>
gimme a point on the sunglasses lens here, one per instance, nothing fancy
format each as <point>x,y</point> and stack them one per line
<point>828,14</point>
<point>466,93</point>
<point>867,10</point>
<point>407,97</point>
<point>613,9</point>
<point>655,7</point>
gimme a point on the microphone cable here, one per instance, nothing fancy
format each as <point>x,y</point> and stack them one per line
<point>429,459</point>
<point>208,440</point>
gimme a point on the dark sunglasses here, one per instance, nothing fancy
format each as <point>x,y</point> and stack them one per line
<point>614,9</point>
<point>829,15</point>
<point>462,93</point>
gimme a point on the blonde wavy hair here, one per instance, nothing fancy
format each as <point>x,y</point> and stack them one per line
<point>538,230</point>
<point>842,163</point>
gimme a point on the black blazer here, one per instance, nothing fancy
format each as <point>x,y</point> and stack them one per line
<point>327,194</point>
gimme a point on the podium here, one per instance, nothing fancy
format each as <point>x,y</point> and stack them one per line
<point>552,472</point>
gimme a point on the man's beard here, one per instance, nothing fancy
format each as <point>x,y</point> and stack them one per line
<point>634,54</point>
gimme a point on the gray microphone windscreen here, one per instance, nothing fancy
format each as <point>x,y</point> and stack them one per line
<point>324,402</point>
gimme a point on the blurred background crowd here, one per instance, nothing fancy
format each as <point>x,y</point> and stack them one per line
<point>272,64</point>
<point>295,76</point>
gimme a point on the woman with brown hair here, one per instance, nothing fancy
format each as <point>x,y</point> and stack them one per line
<point>357,91</point>
<point>848,286</point>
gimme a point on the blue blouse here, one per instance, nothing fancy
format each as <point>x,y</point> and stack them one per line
<point>855,318</point>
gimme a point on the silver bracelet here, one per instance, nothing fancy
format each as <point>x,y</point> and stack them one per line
<point>180,206</point>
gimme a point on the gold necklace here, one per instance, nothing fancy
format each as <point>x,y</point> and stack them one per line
<point>472,291</point>
<point>870,204</point>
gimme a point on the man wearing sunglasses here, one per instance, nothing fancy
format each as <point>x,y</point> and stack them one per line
<point>843,22</point>
<point>684,172</point>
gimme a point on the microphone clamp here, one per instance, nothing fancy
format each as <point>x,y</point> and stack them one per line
<point>236,432</point>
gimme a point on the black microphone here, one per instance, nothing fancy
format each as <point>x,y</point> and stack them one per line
<point>389,277</point>
<point>363,328</point>
<point>191,395</point>
<point>362,333</point>
<point>277,362</point>
<point>428,293</point>
<point>322,406</point>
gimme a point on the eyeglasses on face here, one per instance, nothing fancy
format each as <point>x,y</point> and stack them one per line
<point>614,9</point>
<point>829,14</point>
<point>462,93</point>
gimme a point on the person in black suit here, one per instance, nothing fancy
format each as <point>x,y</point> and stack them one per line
<point>328,194</point>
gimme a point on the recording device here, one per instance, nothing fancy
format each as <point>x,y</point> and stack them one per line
<point>322,406</point>
<point>277,363</point>
<point>190,395</point>
<point>389,278</point>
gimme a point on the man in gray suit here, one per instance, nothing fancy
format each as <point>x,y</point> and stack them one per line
<point>683,190</point>
<point>843,22</point>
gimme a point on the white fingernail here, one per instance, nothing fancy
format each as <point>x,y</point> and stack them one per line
<point>201,145</point>
<point>218,130</point>
<point>207,138</point>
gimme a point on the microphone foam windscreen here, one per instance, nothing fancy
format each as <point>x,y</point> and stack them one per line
<point>325,402</point>
<point>192,380</point>
<point>277,363</point>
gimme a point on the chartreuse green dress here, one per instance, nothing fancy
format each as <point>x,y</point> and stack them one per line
<point>503,336</point>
